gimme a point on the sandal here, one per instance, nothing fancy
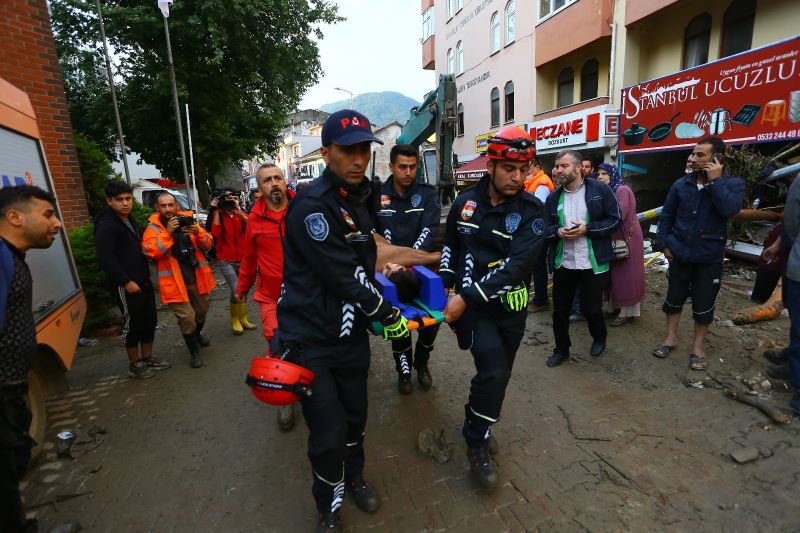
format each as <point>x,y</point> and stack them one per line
<point>697,363</point>
<point>620,321</point>
<point>662,351</point>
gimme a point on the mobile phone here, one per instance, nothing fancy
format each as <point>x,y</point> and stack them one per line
<point>717,158</point>
<point>576,226</point>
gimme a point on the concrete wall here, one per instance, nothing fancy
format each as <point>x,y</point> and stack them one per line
<point>29,61</point>
<point>547,75</point>
<point>388,135</point>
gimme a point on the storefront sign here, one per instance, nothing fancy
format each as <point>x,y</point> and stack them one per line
<point>750,97</point>
<point>611,123</point>
<point>579,128</point>
<point>481,142</point>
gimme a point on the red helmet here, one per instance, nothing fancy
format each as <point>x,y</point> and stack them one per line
<point>511,143</point>
<point>278,382</point>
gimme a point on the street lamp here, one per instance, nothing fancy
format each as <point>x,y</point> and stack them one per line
<point>113,94</point>
<point>345,91</point>
<point>163,5</point>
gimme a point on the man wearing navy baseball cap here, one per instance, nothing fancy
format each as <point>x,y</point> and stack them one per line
<point>329,301</point>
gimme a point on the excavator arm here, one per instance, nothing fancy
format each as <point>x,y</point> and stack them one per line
<point>437,114</point>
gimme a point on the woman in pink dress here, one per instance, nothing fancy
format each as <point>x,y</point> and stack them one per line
<point>627,275</point>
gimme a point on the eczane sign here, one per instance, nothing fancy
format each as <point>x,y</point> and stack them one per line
<point>568,130</point>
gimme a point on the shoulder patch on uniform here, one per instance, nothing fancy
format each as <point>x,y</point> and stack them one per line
<point>437,202</point>
<point>415,200</point>
<point>469,209</point>
<point>538,226</point>
<point>386,201</point>
<point>512,222</point>
<point>317,226</point>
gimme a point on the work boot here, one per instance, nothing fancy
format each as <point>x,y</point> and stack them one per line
<point>781,372</point>
<point>194,350</point>
<point>776,357</point>
<point>329,522</point>
<point>202,340</point>
<point>365,496</point>
<point>286,417</point>
<point>236,324</point>
<point>243,320</point>
<point>424,378</point>
<point>481,465</point>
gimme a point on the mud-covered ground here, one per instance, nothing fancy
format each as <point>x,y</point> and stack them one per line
<point>623,443</point>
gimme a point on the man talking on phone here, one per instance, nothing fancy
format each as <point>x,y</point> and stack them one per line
<point>692,232</point>
<point>581,216</point>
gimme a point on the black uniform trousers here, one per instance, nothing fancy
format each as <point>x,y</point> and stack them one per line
<point>565,282</point>
<point>539,275</point>
<point>404,359</point>
<point>336,415</point>
<point>139,315</point>
<point>15,454</point>
<point>496,335</point>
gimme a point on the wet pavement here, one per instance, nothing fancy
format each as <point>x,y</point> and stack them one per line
<point>615,444</point>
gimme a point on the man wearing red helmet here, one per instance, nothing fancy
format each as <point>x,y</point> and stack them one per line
<point>494,233</point>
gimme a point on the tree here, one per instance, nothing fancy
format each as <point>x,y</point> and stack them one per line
<point>241,65</point>
<point>96,171</point>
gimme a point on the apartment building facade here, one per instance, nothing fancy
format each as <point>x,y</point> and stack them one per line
<point>568,60</point>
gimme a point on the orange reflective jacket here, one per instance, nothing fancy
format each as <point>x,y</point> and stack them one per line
<point>157,245</point>
<point>537,180</point>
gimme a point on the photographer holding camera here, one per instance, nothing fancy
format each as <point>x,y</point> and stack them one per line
<point>176,242</point>
<point>228,225</point>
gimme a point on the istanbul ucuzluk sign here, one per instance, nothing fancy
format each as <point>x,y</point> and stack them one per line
<point>751,97</point>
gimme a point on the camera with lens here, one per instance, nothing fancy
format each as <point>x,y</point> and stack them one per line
<point>185,222</point>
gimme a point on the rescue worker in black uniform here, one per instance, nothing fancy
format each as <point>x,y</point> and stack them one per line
<point>329,300</point>
<point>408,215</point>
<point>494,233</point>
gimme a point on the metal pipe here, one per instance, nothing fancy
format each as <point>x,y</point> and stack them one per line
<point>113,94</point>
<point>783,172</point>
<point>191,158</point>
<point>182,154</point>
<point>612,66</point>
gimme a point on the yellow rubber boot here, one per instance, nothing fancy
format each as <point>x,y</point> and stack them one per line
<point>246,324</point>
<point>235,321</point>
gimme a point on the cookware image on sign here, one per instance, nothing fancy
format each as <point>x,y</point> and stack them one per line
<point>746,115</point>
<point>661,131</point>
<point>634,135</point>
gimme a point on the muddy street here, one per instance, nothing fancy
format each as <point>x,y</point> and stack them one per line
<point>626,442</point>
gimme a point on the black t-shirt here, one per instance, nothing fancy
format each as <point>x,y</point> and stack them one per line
<point>18,336</point>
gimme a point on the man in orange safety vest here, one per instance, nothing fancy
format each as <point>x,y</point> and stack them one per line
<point>176,242</point>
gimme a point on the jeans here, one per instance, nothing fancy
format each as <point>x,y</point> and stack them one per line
<point>230,271</point>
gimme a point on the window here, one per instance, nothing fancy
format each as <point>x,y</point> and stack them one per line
<point>548,7</point>
<point>566,85</point>
<point>428,24</point>
<point>460,123</point>
<point>451,67</point>
<point>510,14</point>
<point>589,78</point>
<point>494,31</point>
<point>508,90</point>
<point>459,5</point>
<point>460,58</point>
<point>737,27</point>
<point>696,37</point>
<point>451,4</point>
<point>495,100</point>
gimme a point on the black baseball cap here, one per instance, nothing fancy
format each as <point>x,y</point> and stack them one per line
<point>347,127</point>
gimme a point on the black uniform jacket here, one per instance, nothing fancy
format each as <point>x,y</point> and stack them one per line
<point>489,251</point>
<point>411,219</point>
<point>329,254</point>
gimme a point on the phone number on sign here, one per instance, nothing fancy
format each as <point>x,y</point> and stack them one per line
<point>777,135</point>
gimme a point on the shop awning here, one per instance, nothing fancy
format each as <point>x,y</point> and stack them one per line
<point>474,169</point>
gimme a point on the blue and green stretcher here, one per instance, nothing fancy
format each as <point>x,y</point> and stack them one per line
<point>424,311</point>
